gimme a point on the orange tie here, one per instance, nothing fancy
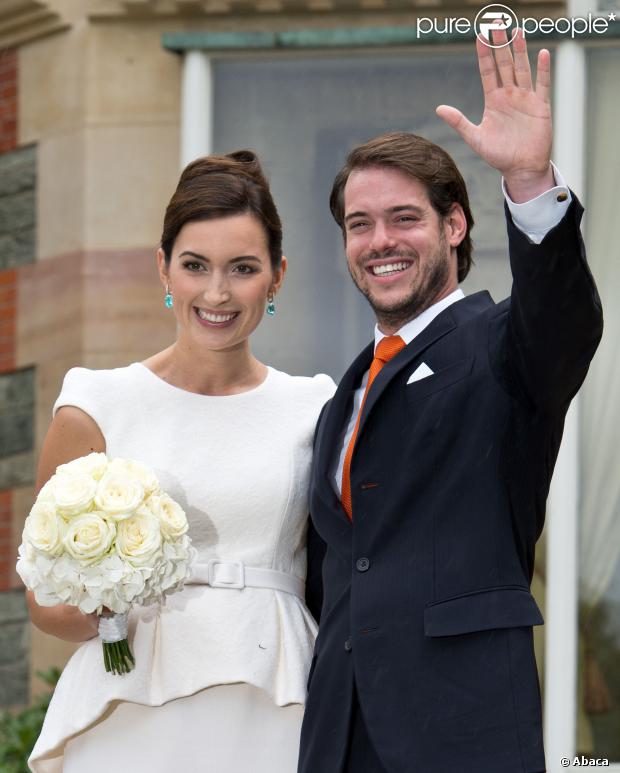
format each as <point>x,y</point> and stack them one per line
<point>387,348</point>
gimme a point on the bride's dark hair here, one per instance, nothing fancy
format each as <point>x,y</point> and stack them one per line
<point>221,186</point>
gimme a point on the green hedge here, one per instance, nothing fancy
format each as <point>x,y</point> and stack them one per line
<point>19,731</point>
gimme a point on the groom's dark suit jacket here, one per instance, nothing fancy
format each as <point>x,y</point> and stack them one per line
<point>427,606</point>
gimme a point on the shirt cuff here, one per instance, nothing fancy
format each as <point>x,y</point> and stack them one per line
<point>538,216</point>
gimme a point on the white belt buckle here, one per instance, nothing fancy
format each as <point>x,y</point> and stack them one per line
<point>226,574</point>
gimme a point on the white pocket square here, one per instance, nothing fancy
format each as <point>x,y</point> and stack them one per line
<point>422,371</point>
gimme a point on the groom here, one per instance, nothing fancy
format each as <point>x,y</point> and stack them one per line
<point>434,458</point>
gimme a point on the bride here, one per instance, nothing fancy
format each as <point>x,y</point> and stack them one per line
<point>220,675</point>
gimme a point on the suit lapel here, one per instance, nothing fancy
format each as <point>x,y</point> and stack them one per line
<point>442,324</point>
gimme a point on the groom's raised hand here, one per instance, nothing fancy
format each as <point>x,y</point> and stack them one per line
<point>515,133</point>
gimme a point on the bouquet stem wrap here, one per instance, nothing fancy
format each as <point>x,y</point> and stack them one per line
<point>117,656</point>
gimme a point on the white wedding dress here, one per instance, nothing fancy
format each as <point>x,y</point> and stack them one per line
<point>220,675</point>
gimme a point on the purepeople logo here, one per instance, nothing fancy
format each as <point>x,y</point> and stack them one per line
<point>497,17</point>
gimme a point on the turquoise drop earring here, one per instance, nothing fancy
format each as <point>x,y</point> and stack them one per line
<point>168,302</point>
<point>271,307</point>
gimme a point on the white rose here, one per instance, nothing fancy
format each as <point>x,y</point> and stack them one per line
<point>134,469</point>
<point>138,539</point>
<point>171,516</point>
<point>94,464</point>
<point>46,492</point>
<point>89,537</point>
<point>43,529</point>
<point>119,495</point>
<point>73,494</point>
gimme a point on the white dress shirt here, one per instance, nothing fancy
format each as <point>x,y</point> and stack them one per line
<point>535,218</point>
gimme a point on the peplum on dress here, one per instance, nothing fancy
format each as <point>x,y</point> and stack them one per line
<point>220,676</point>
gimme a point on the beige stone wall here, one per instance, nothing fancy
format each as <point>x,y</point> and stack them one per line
<point>102,103</point>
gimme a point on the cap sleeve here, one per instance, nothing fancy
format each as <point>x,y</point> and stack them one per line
<point>83,389</point>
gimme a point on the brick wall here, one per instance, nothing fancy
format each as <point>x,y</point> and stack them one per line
<point>8,100</point>
<point>17,230</point>
<point>8,308</point>
<point>8,141</point>
<point>8,289</point>
<point>17,248</point>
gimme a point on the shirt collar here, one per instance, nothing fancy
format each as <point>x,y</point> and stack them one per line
<point>415,326</point>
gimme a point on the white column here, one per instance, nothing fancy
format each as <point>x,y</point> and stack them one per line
<point>196,106</point>
<point>563,506</point>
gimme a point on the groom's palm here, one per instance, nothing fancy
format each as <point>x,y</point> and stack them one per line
<point>515,131</point>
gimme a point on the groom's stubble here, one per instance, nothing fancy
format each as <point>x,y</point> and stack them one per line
<point>425,289</point>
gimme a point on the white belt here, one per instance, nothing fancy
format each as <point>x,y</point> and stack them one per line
<point>235,574</point>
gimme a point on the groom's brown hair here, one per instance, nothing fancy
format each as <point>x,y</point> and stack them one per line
<point>424,161</point>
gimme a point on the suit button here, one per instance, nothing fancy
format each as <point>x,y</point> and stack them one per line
<point>362,564</point>
<point>348,645</point>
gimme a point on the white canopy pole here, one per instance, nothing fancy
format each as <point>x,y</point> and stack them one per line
<point>561,635</point>
<point>196,106</point>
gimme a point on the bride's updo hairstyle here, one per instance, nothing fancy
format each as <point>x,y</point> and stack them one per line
<point>221,186</point>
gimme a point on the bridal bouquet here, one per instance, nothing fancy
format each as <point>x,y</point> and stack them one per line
<point>103,536</point>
